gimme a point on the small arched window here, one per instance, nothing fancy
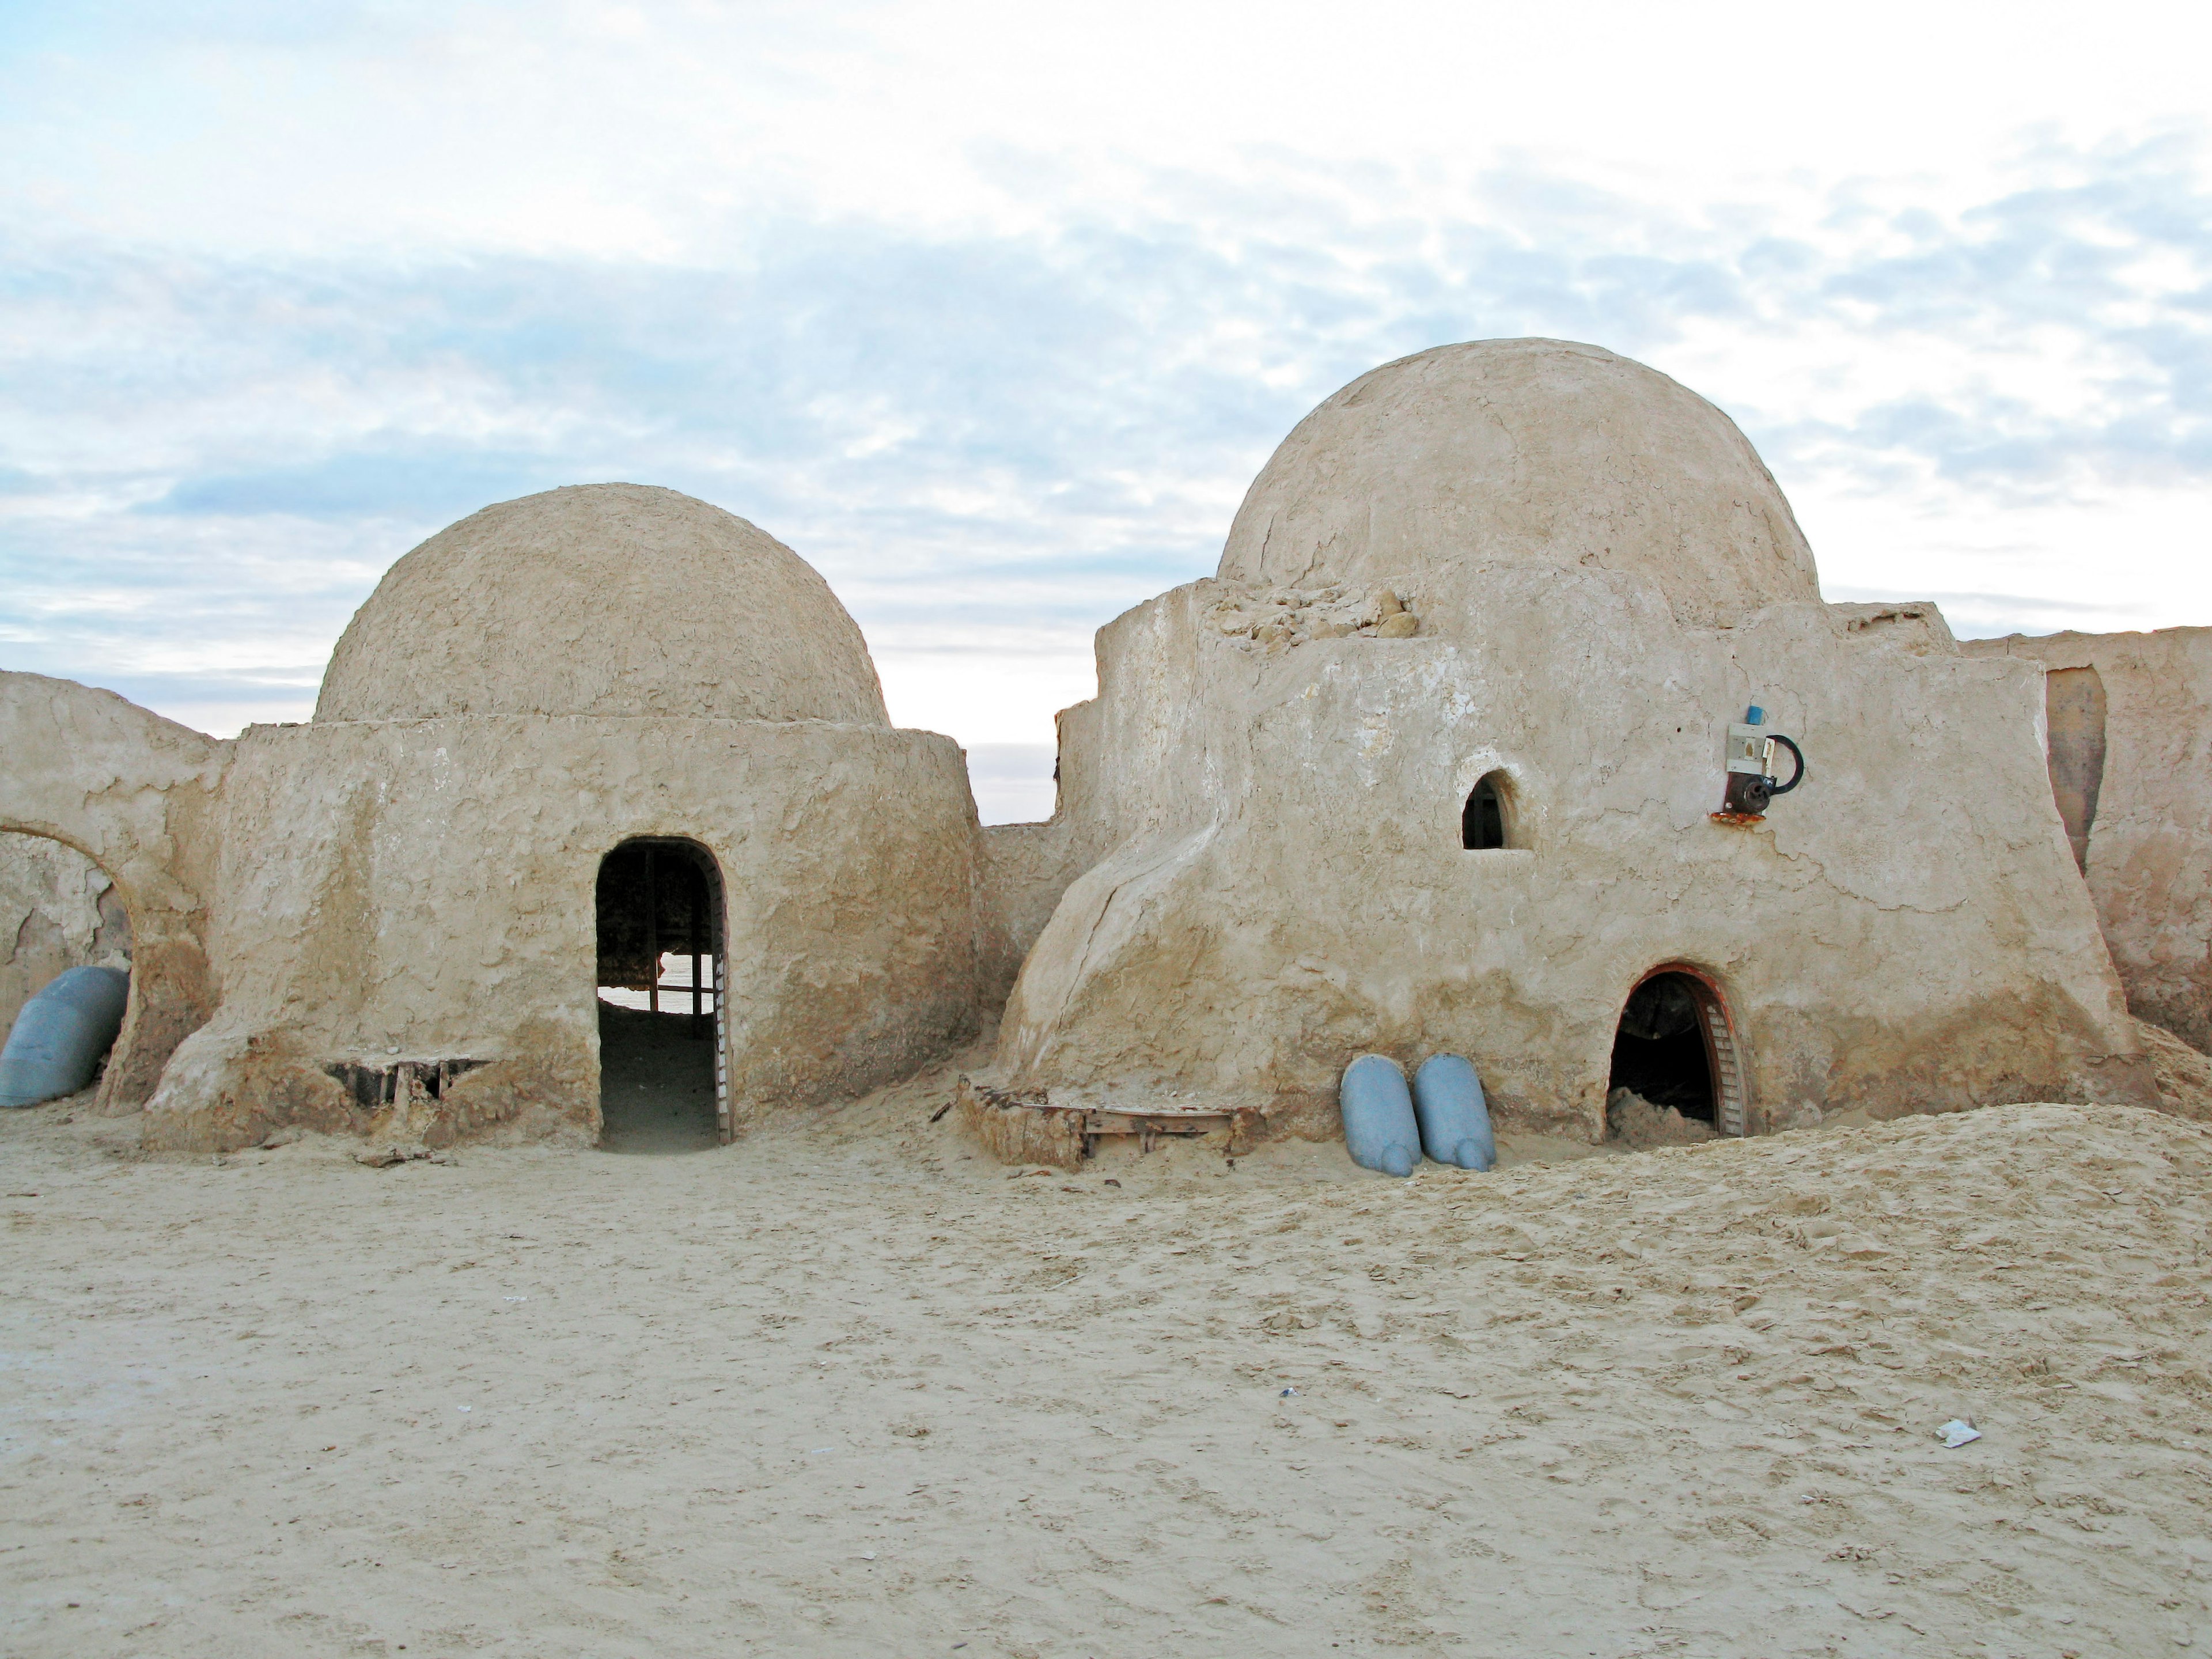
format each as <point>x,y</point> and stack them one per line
<point>1482,822</point>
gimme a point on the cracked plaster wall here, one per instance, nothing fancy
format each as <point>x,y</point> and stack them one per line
<point>1288,889</point>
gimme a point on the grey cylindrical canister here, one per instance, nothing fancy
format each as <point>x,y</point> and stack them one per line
<point>1379,1131</point>
<point>1455,1118</point>
<point>60,1034</point>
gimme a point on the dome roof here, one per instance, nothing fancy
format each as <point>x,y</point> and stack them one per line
<point>609,598</point>
<point>1522,451</point>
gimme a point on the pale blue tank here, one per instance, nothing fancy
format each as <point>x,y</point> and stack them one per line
<point>1379,1131</point>
<point>60,1034</point>
<point>1455,1118</point>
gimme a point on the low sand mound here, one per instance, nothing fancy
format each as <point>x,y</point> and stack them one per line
<point>2185,1075</point>
<point>850,1388</point>
<point>1636,1122</point>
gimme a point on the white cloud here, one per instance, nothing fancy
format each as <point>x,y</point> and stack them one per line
<point>993,311</point>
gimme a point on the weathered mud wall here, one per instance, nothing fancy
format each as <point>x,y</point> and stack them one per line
<point>1289,889</point>
<point>2131,761</point>
<point>1027,867</point>
<point>422,892</point>
<point>134,793</point>
<point>58,910</point>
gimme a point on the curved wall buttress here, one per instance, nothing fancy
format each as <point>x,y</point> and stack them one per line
<point>134,793</point>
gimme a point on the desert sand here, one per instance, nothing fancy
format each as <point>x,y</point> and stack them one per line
<point>848,1389</point>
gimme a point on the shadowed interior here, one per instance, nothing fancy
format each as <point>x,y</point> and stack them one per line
<point>1660,1049</point>
<point>659,906</point>
<point>1482,820</point>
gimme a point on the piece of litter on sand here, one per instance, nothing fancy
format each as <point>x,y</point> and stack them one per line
<point>867,1555</point>
<point>816,1451</point>
<point>1957,1432</point>
<point>514,1298</point>
<point>462,1408</point>
<point>1287,1393</point>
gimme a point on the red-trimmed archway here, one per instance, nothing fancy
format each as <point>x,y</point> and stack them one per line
<point>1648,1046</point>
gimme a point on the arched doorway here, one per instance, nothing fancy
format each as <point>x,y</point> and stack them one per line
<point>59,910</point>
<point>147,827</point>
<point>1676,1047</point>
<point>663,1072</point>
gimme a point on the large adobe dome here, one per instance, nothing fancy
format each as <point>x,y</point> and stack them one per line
<point>602,599</point>
<point>1522,451</point>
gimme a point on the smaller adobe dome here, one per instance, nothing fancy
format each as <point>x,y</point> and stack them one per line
<point>611,598</point>
<point>1522,451</point>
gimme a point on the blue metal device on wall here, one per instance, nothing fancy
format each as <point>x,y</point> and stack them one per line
<point>1752,782</point>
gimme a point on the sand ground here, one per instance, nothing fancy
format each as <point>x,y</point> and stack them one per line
<point>656,1082</point>
<point>847,1389</point>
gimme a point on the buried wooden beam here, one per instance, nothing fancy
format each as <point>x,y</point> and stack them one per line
<point>1026,1128</point>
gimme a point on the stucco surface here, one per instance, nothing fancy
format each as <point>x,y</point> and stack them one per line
<point>135,795</point>
<point>603,600</point>
<point>1424,473</point>
<point>2149,853</point>
<point>435,901</point>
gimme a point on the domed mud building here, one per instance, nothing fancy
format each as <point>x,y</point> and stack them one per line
<point>602,745</point>
<point>600,792</point>
<point>1433,763</point>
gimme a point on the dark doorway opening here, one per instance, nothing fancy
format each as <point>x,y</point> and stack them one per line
<point>662,1086</point>
<point>1663,1049</point>
<point>1484,821</point>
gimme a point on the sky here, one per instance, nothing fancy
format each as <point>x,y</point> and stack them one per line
<point>992,310</point>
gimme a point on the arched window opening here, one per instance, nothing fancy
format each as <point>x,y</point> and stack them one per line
<point>1486,821</point>
<point>1676,1050</point>
<point>663,1076</point>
